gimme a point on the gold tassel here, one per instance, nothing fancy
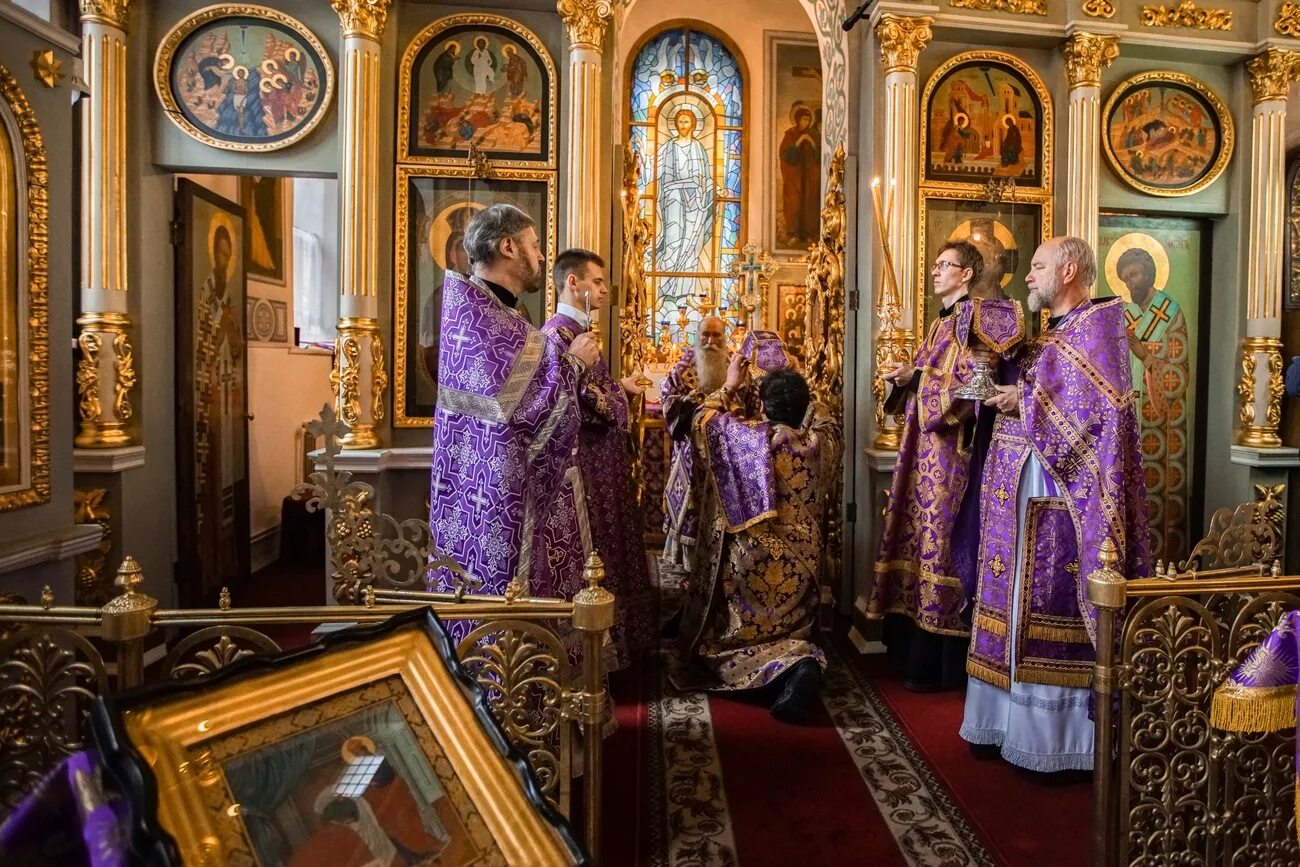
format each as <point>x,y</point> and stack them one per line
<point>988,675</point>
<point>1062,634</point>
<point>1052,677</point>
<point>1242,709</point>
<point>991,625</point>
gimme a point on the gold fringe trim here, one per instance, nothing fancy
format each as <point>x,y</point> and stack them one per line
<point>990,624</point>
<point>1242,709</point>
<point>1062,634</point>
<point>986,674</point>
<point>758,519</point>
<point>1052,677</point>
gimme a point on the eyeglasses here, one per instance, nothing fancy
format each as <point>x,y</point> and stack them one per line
<point>943,265</point>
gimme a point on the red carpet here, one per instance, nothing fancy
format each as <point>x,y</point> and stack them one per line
<point>1024,821</point>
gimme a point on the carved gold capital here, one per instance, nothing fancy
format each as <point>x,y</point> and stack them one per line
<point>1288,20</point>
<point>1099,9</point>
<point>1186,14</point>
<point>362,17</point>
<point>111,12</point>
<point>585,20</point>
<point>901,41</point>
<point>1272,72</point>
<point>1019,7</point>
<point>1086,55</point>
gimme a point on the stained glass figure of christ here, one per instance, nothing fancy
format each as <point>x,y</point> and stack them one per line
<point>685,118</point>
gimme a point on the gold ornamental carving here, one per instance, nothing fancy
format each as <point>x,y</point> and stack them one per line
<point>901,41</point>
<point>1271,73</point>
<point>1253,433</point>
<point>346,378</point>
<point>47,67</point>
<point>88,378</point>
<point>585,20</point>
<point>1019,7</point>
<point>1288,20</point>
<point>378,377</point>
<point>824,325</point>
<point>111,12</point>
<point>94,583</point>
<point>1186,14</point>
<point>1086,55</point>
<point>28,150</point>
<point>1099,9</point>
<point>124,367</point>
<point>364,18</point>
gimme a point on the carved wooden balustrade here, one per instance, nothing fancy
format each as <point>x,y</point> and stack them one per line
<point>54,660</point>
<point>1168,788</point>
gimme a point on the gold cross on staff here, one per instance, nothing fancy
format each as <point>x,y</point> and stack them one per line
<point>754,269</point>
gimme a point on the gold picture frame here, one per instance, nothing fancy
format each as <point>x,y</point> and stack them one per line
<point>1192,105</point>
<point>210,106</point>
<point>517,45</point>
<point>1040,99</point>
<point>374,736</point>
<point>24,308</point>
<point>416,393</point>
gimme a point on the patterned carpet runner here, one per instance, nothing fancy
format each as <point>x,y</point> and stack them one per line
<point>698,781</point>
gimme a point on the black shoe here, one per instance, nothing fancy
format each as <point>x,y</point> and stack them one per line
<point>920,686</point>
<point>801,687</point>
<point>986,752</point>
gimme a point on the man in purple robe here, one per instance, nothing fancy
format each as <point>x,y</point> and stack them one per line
<point>749,614</point>
<point>916,589</point>
<point>699,372</point>
<point>506,501</point>
<point>1063,475</point>
<point>605,458</point>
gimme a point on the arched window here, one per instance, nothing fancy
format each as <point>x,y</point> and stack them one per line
<point>686,121</point>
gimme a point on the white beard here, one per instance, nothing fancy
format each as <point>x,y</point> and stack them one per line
<point>1042,295</point>
<point>711,366</point>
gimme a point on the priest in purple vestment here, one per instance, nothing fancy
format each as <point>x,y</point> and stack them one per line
<point>1063,474</point>
<point>750,612</point>
<point>506,499</point>
<point>605,458</point>
<point>699,372</point>
<point>916,588</point>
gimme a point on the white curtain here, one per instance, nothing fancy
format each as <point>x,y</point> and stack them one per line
<point>315,303</point>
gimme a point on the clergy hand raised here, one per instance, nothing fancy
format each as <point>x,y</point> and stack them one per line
<point>1007,400</point>
<point>585,349</point>
<point>736,370</point>
<point>901,374</point>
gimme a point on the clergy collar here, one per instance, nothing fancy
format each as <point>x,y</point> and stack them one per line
<point>504,295</point>
<point>948,311</point>
<point>573,313</point>
<point>1053,321</point>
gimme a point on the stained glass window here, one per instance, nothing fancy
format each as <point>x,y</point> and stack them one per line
<point>686,122</point>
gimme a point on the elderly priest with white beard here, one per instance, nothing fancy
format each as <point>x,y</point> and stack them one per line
<point>1063,475</point>
<point>699,372</point>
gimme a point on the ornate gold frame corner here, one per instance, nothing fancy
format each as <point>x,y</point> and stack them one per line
<point>1227,130</point>
<point>33,175</point>
<point>166,54</point>
<point>401,260</point>
<point>431,32</point>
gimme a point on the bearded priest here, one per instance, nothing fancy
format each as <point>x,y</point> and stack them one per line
<point>1063,475</point>
<point>605,458</point>
<point>699,372</point>
<point>749,613</point>
<point>506,499</point>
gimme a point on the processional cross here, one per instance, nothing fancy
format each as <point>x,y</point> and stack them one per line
<point>754,269</point>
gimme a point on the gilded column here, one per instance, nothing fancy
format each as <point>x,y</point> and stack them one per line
<point>585,21</point>
<point>106,369</point>
<point>1260,388</point>
<point>360,376</point>
<point>901,42</point>
<point>1086,55</point>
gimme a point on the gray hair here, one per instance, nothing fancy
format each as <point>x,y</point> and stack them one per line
<point>491,226</point>
<point>1076,250</point>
